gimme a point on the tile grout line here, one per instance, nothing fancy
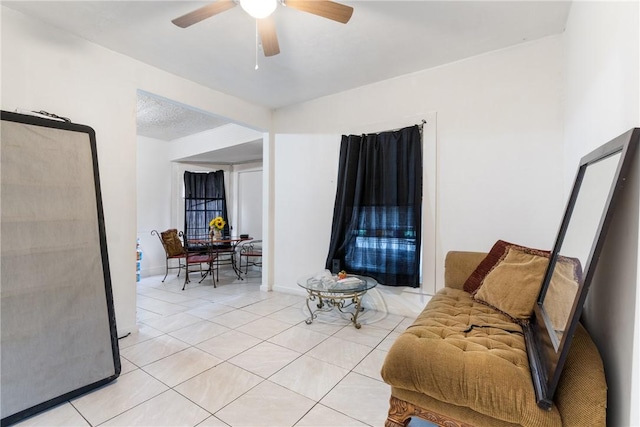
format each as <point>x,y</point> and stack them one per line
<point>192,304</point>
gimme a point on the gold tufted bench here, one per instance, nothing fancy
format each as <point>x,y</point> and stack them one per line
<point>462,363</point>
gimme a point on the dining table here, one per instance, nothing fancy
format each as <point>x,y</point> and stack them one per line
<point>220,246</point>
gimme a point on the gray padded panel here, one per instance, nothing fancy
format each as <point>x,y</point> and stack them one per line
<point>57,327</point>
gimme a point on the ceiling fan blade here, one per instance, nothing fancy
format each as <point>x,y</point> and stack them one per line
<point>325,8</point>
<point>203,13</point>
<point>267,31</point>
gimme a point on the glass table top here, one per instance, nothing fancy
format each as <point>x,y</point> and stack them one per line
<point>331,284</point>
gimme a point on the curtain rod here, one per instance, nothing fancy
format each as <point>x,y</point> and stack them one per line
<point>420,125</point>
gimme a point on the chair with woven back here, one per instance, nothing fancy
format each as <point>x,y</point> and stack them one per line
<point>173,249</point>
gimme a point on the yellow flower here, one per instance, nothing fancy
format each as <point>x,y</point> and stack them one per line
<point>217,223</point>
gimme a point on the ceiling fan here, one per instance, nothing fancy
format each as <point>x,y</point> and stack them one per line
<point>262,10</point>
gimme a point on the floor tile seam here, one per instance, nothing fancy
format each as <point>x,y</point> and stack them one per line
<point>233,306</point>
<point>131,408</point>
<point>195,403</point>
<point>175,330</point>
<point>297,357</point>
<point>354,342</point>
<point>324,395</point>
<point>147,325</point>
<point>188,379</point>
<point>162,333</point>
<point>283,321</point>
<point>267,314</point>
<point>396,325</point>
<point>373,325</point>
<point>284,308</point>
<point>190,307</point>
<point>240,395</point>
<point>164,357</point>
<point>319,403</point>
<point>384,338</point>
<point>306,351</point>
<point>120,413</point>
<point>233,328</point>
<point>331,363</point>
<point>264,378</point>
<point>306,413</point>
<point>211,317</point>
<point>79,413</point>
<point>234,309</point>
<point>337,410</point>
<point>129,346</point>
<point>271,301</point>
<point>200,342</point>
<point>237,354</point>
<point>265,339</point>
<point>168,301</point>
<point>153,294</point>
<point>155,312</point>
<point>350,370</point>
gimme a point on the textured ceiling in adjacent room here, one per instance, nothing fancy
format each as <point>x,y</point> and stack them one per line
<point>162,119</point>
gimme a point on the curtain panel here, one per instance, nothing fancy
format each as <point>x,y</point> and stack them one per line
<point>376,228</point>
<point>204,199</point>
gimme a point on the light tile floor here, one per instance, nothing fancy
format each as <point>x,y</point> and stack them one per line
<point>236,356</point>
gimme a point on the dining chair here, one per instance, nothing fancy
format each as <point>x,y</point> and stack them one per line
<point>198,252</point>
<point>251,252</point>
<point>224,255</point>
<point>173,249</point>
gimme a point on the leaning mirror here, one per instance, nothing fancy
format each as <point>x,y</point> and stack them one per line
<point>600,176</point>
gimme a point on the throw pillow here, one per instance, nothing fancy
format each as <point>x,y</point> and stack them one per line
<point>172,242</point>
<point>513,285</point>
<point>495,255</point>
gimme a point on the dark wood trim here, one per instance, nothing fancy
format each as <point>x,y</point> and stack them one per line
<point>401,411</point>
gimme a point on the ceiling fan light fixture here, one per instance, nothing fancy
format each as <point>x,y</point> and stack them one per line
<point>259,9</point>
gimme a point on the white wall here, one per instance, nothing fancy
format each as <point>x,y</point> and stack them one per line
<point>499,153</point>
<point>306,168</point>
<point>602,50</point>
<point>210,140</point>
<point>45,68</point>
<point>249,202</point>
<point>153,172</point>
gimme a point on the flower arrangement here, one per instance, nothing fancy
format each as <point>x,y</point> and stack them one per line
<point>217,223</point>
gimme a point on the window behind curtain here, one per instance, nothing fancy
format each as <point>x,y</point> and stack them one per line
<point>204,200</point>
<point>376,227</point>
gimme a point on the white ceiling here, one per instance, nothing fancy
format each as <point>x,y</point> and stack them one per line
<point>384,39</point>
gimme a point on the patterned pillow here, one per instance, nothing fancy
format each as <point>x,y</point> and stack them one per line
<point>495,255</point>
<point>513,285</point>
<point>172,243</point>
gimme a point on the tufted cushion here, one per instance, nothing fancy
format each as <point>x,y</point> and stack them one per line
<point>465,353</point>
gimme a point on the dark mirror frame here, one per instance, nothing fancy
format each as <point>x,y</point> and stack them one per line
<point>546,355</point>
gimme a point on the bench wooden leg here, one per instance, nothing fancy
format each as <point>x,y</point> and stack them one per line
<point>401,411</point>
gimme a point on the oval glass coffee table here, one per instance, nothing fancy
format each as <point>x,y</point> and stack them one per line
<point>331,293</point>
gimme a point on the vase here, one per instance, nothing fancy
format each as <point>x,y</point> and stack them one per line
<point>217,234</point>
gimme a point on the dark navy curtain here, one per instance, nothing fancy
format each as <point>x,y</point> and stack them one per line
<point>204,199</point>
<point>378,209</point>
